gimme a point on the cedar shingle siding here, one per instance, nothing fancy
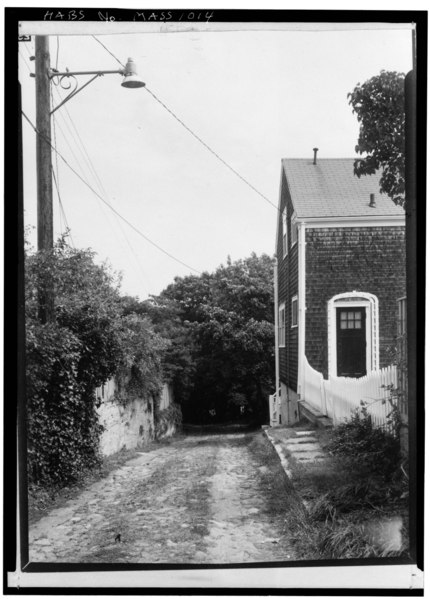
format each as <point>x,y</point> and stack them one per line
<point>338,260</point>
<point>288,286</point>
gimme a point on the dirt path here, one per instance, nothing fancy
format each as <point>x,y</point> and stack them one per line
<point>200,499</point>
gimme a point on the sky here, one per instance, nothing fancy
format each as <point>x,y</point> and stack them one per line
<point>254,97</point>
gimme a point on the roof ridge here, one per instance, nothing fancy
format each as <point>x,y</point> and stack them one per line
<point>318,159</point>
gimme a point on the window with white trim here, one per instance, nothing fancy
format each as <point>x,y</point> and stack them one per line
<point>294,311</point>
<point>281,325</point>
<point>284,233</point>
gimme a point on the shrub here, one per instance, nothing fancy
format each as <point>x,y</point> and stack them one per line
<point>90,341</point>
<point>366,447</point>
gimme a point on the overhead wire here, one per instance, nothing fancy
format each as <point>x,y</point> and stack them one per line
<point>56,178</point>
<point>62,212</point>
<point>93,173</point>
<point>25,61</point>
<point>161,249</point>
<point>58,52</point>
<point>199,139</point>
<point>80,165</point>
<point>107,50</point>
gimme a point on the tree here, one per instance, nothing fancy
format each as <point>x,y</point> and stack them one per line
<point>221,327</point>
<point>379,104</point>
<point>96,334</point>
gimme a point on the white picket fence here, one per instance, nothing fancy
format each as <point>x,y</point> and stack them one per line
<point>339,397</point>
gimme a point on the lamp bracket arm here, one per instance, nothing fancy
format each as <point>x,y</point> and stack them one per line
<point>54,73</point>
<point>75,91</point>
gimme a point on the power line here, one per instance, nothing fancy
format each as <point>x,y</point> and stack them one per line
<point>58,52</point>
<point>56,178</point>
<point>66,139</point>
<point>85,154</point>
<point>199,139</point>
<point>107,204</point>
<point>233,170</point>
<point>93,173</point>
<point>107,50</point>
<point>62,211</point>
<point>25,61</point>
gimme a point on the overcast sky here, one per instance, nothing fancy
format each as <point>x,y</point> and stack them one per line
<point>253,97</point>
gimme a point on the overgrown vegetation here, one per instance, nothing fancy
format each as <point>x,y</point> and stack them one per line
<point>366,448</point>
<point>94,336</point>
<point>357,496</point>
<point>169,418</point>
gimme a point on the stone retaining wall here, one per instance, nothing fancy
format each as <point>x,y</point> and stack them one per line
<point>131,425</point>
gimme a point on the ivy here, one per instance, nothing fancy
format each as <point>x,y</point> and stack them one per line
<point>166,419</point>
<point>139,373</point>
<point>95,336</point>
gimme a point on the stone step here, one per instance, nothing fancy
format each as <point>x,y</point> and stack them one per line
<point>299,440</point>
<point>300,447</point>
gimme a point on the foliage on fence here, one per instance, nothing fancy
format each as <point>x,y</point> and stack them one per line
<point>89,342</point>
<point>367,447</point>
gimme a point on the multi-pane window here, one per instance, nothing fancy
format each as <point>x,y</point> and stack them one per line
<point>294,319</point>
<point>284,233</point>
<point>350,320</point>
<point>281,326</point>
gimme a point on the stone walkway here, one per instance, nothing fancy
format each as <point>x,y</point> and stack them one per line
<point>200,499</point>
<point>300,443</point>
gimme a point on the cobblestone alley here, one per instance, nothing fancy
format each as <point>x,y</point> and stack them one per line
<point>198,499</point>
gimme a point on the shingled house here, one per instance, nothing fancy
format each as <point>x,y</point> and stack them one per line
<point>340,270</point>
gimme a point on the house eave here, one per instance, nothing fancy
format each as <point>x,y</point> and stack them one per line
<point>353,221</point>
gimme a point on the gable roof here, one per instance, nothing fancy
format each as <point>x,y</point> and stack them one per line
<point>330,189</point>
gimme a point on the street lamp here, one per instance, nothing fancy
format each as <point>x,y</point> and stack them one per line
<point>44,75</point>
<point>131,79</point>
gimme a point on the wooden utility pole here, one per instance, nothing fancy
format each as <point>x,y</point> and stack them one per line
<point>45,234</point>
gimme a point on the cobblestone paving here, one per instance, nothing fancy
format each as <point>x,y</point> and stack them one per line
<point>200,499</point>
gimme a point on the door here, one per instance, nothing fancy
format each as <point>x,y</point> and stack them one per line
<point>351,341</point>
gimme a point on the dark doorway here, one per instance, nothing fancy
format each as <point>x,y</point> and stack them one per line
<point>351,342</point>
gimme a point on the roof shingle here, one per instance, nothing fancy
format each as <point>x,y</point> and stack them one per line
<point>330,189</point>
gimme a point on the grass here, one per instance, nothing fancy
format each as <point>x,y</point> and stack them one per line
<point>350,512</point>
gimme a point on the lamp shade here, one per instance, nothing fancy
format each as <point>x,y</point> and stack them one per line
<point>131,78</point>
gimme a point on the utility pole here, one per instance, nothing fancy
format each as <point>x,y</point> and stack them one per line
<point>45,227</point>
